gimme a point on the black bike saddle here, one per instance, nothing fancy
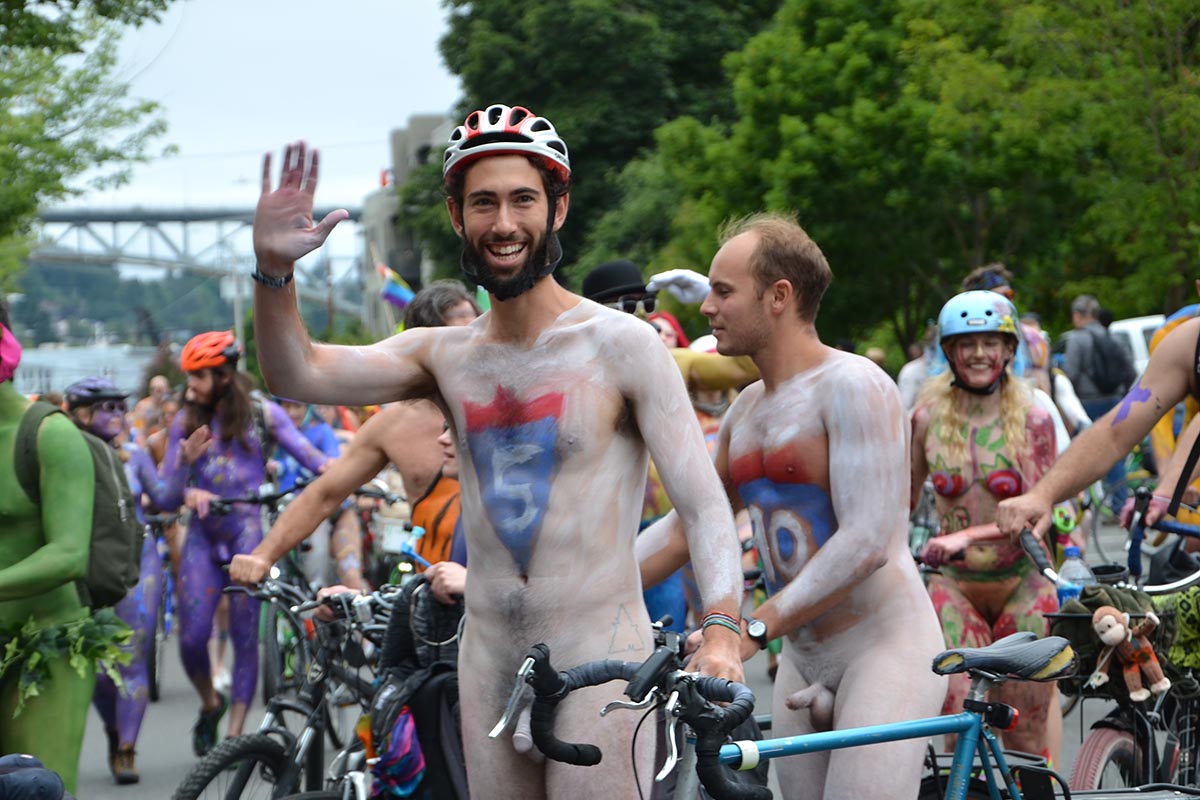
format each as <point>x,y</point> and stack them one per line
<point>1021,655</point>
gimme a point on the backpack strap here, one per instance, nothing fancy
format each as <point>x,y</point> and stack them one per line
<point>1196,369</point>
<point>25,447</point>
<point>1184,476</point>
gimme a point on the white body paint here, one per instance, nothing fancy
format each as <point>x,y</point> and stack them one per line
<point>855,617</point>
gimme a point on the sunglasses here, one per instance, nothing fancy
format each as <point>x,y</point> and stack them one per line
<point>111,406</point>
<point>639,304</point>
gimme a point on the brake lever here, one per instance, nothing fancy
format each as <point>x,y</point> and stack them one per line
<point>650,699</point>
<point>514,699</point>
<point>672,722</point>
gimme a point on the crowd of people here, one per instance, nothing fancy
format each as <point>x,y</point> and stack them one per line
<point>752,445</point>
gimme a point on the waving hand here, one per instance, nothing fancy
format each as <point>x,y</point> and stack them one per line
<point>283,221</point>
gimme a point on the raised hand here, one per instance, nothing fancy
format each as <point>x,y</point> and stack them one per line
<point>283,221</point>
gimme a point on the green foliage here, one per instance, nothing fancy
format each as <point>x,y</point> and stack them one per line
<point>28,650</point>
<point>60,25</point>
<point>917,140</point>
<point>62,114</point>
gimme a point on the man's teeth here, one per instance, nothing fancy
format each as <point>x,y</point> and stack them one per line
<point>507,250</point>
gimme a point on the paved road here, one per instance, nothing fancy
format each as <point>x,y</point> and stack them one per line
<point>165,752</point>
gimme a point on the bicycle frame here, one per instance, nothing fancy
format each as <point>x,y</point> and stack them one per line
<point>974,738</point>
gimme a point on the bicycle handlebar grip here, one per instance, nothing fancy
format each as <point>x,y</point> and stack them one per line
<point>739,697</point>
<point>712,772</point>
<point>1137,532</point>
<point>1034,550</point>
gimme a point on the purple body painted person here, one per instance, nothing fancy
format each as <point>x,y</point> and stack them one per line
<point>214,449</point>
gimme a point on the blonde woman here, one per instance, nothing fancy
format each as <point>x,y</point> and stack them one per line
<point>980,438</point>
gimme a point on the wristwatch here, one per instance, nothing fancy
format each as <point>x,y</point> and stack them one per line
<point>756,629</point>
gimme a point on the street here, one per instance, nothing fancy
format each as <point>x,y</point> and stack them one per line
<point>165,746</point>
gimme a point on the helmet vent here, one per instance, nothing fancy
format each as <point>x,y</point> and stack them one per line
<point>493,114</point>
<point>472,121</point>
<point>517,116</point>
<point>540,125</point>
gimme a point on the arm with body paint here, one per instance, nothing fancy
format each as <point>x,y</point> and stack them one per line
<point>292,364</point>
<point>1166,381</point>
<point>667,423</point>
<point>174,469</point>
<point>292,440</point>
<point>362,460</point>
<point>865,426</point>
<point>65,478</point>
<point>152,486</point>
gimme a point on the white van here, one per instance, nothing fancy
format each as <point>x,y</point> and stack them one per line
<point>1134,334</point>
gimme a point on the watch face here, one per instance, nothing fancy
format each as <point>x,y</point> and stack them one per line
<point>756,628</point>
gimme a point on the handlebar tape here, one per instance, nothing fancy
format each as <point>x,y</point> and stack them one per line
<point>713,775</point>
<point>550,687</point>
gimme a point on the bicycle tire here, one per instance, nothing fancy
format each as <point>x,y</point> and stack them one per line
<point>285,654</point>
<point>1107,759</point>
<point>258,759</point>
<point>1100,518</point>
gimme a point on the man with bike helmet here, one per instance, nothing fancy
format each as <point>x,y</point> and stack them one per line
<point>98,407</point>
<point>547,405</point>
<point>216,449</point>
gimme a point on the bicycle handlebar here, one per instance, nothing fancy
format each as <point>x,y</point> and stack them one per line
<point>692,695</point>
<point>1137,528</point>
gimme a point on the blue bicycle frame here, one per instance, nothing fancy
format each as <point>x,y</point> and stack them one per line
<point>975,738</point>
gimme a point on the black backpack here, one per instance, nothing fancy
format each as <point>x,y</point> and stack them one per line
<point>114,558</point>
<point>1111,369</point>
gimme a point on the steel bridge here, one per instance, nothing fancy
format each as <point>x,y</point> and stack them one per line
<point>208,241</point>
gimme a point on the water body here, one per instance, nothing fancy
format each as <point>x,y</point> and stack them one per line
<point>52,369</point>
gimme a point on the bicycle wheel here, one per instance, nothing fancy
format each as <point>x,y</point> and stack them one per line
<point>241,768</point>
<point>1108,759</point>
<point>285,653</point>
<point>1104,515</point>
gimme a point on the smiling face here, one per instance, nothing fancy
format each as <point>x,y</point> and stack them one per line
<point>735,305</point>
<point>503,224</point>
<point>979,359</point>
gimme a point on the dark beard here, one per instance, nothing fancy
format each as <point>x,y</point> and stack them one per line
<point>538,264</point>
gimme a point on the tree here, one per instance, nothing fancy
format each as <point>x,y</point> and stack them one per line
<point>62,114</point>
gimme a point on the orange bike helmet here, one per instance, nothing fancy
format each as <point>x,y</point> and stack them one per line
<point>505,130</point>
<point>208,350</point>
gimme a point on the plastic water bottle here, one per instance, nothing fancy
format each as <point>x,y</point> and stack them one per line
<point>1073,575</point>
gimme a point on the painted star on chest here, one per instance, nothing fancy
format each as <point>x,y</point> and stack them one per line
<point>506,410</point>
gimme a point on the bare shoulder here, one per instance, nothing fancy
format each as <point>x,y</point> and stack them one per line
<point>844,372</point>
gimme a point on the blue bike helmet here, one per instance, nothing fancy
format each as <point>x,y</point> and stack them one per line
<point>90,391</point>
<point>979,312</point>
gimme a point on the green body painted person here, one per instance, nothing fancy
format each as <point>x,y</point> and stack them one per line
<point>42,552</point>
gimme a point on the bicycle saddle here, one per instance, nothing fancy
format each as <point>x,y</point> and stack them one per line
<point>1021,655</point>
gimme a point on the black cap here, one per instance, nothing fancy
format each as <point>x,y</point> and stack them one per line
<point>612,280</point>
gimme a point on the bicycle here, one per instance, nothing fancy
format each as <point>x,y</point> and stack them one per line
<point>274,762</point>
<point>165,623</point>
<point>977,767</point>
<point>1155,740</point>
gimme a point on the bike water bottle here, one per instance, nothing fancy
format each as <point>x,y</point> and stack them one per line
<point>1073,575</point>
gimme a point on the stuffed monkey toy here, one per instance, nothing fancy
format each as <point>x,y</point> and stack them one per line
<point>1133,650</point>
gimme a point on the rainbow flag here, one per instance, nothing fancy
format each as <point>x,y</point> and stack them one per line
<point>394,290</point>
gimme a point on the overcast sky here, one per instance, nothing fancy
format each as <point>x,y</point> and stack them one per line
<point>236,78</point>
